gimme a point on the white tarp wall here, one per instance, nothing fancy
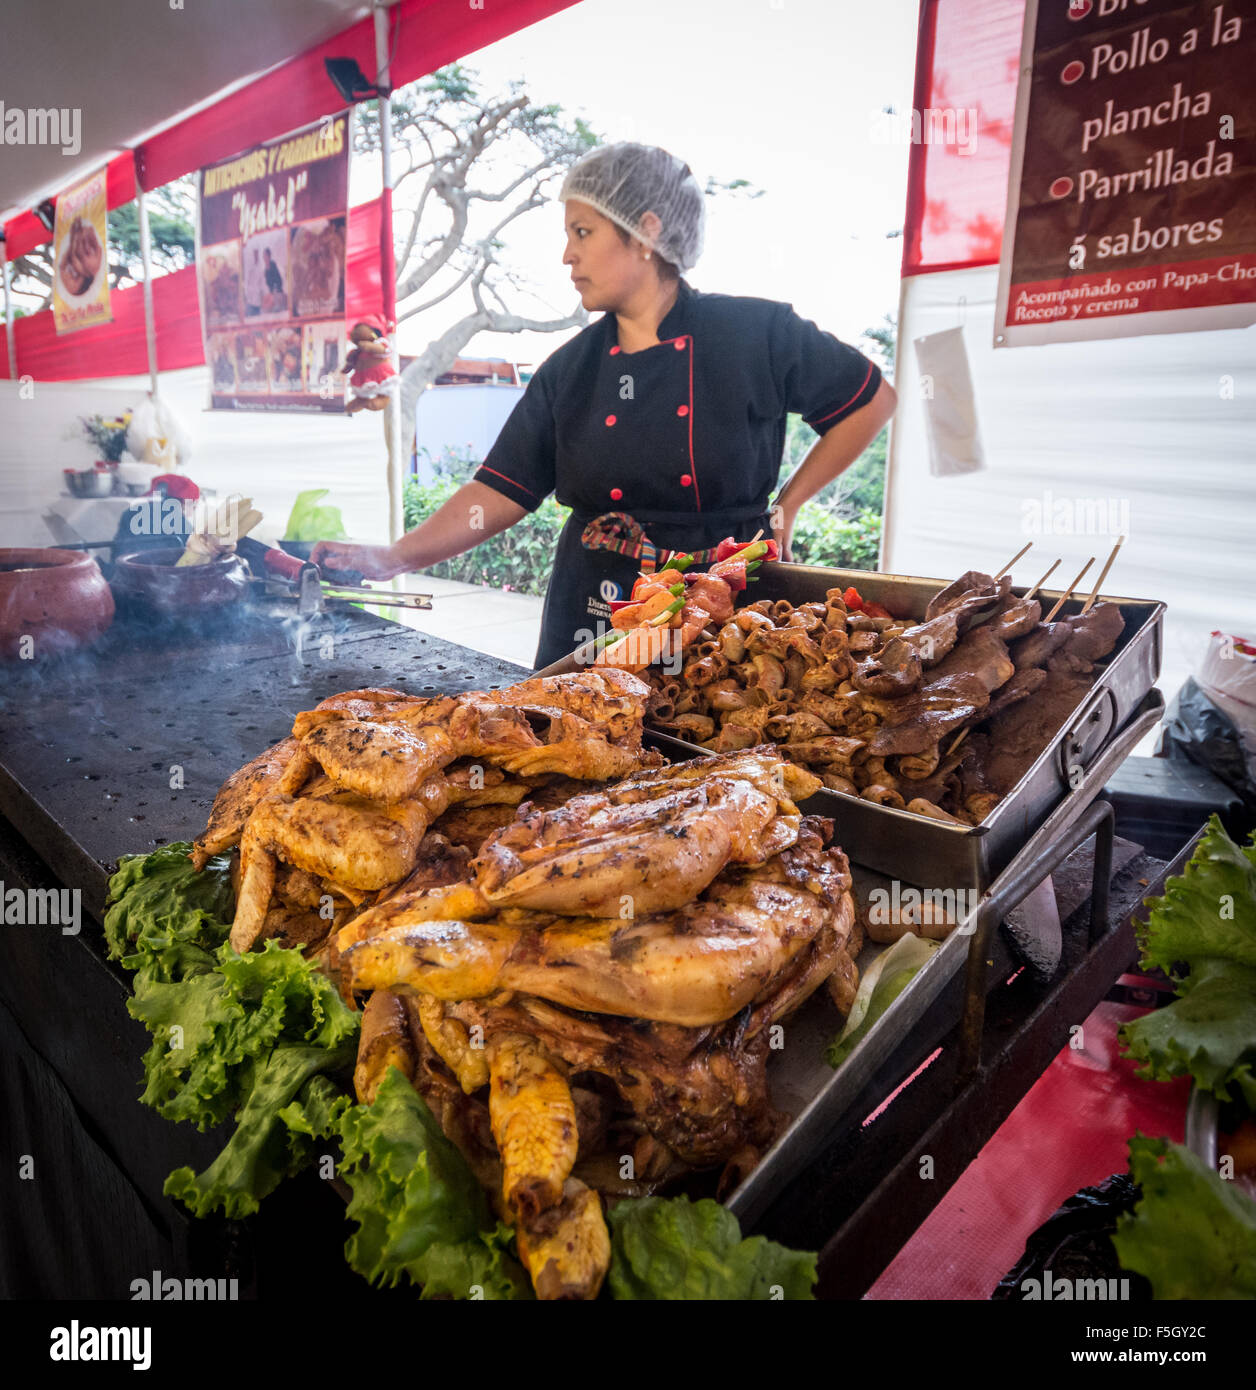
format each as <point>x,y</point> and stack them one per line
<point>267,457</point>
<point>1153,437</point>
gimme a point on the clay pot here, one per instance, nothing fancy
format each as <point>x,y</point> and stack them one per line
<point>149,579</point>
<point>57,598</point>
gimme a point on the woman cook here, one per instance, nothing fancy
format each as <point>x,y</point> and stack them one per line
<point>662,424</point>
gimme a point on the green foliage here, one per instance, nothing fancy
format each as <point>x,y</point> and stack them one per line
<point>519,560</point>
<point>823,536</point>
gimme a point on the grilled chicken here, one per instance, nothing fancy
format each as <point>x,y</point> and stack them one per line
<point>701,964</point>
<point>237,797</point>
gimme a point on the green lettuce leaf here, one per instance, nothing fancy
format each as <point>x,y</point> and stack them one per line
<point>421,1213</point>
<point>1203,933</point>
<point>887,977</point>
<point>165,919</point>
<point>290,1106</point>
<point>1208,913</point>
<point>212,1031</point>
<point>672,1248</point>
<point>259,1036</point>
<point>1192,1234</point>
<point>309,522</point>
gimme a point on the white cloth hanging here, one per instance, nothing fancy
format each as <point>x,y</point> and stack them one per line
<point>950,407</point>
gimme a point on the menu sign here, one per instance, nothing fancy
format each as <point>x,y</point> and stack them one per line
<point>270,260</point>
<point>1132,201</point>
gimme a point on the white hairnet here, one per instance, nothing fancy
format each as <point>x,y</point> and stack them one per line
<point>625,181</point>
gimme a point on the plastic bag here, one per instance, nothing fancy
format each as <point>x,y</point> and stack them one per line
<point>309,522</point>
<point>157,435</point>
<point>1196,729</point>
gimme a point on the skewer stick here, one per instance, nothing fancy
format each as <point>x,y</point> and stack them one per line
<point>1042,581</point>
<point>1103,574</point>
<point>1013,560</point>
<point>755,537</point>
<point>963,734</point>
<point>1068,593</point>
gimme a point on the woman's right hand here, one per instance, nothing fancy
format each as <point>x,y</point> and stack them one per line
<point>370,561</point>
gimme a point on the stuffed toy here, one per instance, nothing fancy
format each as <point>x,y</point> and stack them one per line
<point>373,377</point>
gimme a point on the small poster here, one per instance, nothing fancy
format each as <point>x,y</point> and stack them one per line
<point>80,257</point>
<point>1132,200</point>
<point>271,271</point>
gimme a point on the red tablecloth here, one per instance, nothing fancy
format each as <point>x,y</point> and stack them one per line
<point>1070,1131</point>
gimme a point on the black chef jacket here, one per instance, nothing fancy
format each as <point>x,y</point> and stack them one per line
<point>686,436</point>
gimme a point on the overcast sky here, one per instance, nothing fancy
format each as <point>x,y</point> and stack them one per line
<point>784,93</point>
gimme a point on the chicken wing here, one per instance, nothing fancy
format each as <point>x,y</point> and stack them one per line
<point>384,1042</point>
<point>567,1248</point>
<point>534,1123</point>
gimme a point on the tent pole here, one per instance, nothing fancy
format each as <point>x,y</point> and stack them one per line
<point>891,453</point>
<point>146,257</point>
<point>388,273</point>
<point>8,311</point>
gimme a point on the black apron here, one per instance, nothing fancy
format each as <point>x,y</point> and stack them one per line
<point>634,444</point>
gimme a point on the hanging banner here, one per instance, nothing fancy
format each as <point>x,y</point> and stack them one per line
<point>1132,198</point>
<point>270,260</point>
<point>80,257</point>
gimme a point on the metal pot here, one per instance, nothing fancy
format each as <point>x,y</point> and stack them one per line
<point>150,579</point>
<point>50,601</point>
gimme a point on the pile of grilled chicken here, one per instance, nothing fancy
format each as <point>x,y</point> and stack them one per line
<point>881,707</point>
<point>576,954</point>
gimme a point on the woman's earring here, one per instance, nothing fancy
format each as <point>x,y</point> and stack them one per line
<point>647,255</point>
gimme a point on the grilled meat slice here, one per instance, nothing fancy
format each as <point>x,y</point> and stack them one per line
<point>914,723</point>
<point>1094,634</point>
<point>933,639</point>
<point>383,1042</point>
<point>1022,684</point>
<point>1014,617</point>
<point>1035,648</point>
<point>980,653</point>
<point>972,595</point>
<point>1020,733</point>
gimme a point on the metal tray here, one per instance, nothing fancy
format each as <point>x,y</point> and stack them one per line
<point>934,854</point>
<point>819,1098</point>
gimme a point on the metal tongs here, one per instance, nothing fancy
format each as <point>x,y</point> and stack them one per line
<point>272,565</point>
<point>313,590</point>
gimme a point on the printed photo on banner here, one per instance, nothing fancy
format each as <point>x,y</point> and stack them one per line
<point>80,257</point>
<point>318,268</point>
<point>322,356</point>
<point>266,276</point>
<point>271,256</point>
